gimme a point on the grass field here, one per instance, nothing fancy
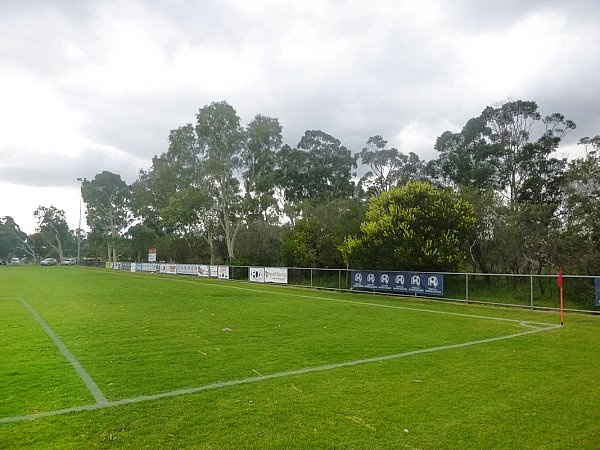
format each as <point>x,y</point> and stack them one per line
<point>106,359</point>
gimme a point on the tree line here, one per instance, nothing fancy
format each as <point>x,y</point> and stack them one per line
<point>496,199</point>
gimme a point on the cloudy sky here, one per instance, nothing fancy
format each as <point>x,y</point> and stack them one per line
<point>87,86</point>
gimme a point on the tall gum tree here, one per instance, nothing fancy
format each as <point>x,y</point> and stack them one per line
<point>53,228</point>
<point>107,199</point>
<point>221,140</point>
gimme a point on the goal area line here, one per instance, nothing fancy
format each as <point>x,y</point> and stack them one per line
<point>531,328</point>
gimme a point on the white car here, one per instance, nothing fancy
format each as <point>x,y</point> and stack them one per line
<point>49,262</point>
<point>14,262</point>
<point>69,262</point>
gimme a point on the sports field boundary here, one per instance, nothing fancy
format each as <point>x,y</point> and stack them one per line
<point>103,403</point>
<point>276,375</point>
<point>85,377</point>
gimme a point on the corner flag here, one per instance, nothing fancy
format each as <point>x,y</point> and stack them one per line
<point>560,278</point>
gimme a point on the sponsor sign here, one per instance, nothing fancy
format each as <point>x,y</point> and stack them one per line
<point>170,269</point>
<point>187,269</point>
<point>203,270</point>
<point>276,275</point>
<point>223,272</point>
<point>150,267</point>
<point>214,271</point>
<point>256,274</point>
<point>152,255</point>
<point>399,282</point>
<point>597,291</point>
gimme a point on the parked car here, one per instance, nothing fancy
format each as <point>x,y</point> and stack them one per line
<point>69,262</point>
<point>49,262</point>
<point>14,262</point>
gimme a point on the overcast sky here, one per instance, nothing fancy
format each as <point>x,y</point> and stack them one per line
<point>87,86</point>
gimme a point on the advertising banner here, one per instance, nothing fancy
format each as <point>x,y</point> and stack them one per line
<point>399,282</point>
<point>223,272</point>
<point>152,255</point>
<point>597,291</point>
<point>187,269</point>
<point>214,271</point>
<point>150,267</point>
<point>276,275</point>
<point>256,274</point>
<point>203,271</point>
<point>170,269</point>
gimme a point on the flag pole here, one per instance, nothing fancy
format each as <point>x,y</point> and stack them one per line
<point>560,287</point>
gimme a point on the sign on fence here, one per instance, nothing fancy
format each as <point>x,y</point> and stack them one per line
<point>171,269</point>
<point>256,274</point>
<point>276,275</point>
<point>223,272</point>
<point>399,282</point>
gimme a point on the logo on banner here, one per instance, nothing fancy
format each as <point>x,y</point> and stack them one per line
<point>257,274</point>
<point>399,282</point>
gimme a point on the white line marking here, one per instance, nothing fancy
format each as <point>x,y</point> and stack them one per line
<point>87,379</point>
<point>359,303</point>
<point>224,384</point>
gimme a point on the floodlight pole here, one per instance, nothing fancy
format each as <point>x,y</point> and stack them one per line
<point>81,181</point>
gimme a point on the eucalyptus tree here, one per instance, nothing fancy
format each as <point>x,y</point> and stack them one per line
<point>511,125</point>
<point>221,141</point>
<point>389,167</point>
<point>53,228</point>
<point>319,170</point>
<point>259,154</point>
<point>12,239</point>
<point>331,166</point>
<point>107,198</point>
<point>468,158</point>
<point>580,237</point>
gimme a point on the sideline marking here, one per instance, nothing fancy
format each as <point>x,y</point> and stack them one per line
<point>87,379</point>
<point>360,303</point>
<point>224,384</point>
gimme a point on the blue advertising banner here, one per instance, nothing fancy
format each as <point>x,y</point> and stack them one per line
<point>399,282</point>
<point>597,291</point>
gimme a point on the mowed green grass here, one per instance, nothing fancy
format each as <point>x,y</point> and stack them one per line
<point>141,334</point>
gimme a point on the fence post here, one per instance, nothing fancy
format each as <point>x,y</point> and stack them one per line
<point>467,286</point>
<point>311,277</point>
<point>339,280</point>
<point>531,290</point>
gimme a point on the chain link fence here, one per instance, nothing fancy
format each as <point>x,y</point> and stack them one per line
<point>528,291</point>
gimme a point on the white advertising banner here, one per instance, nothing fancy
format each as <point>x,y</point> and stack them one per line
<point>150,267</point>
<point>168,268</point>
<point>203,270</point>
<point>276,275</point>
<point>152,255</point>
<point>256,274</point>
<point>223,272</point>
<point>132,268</point>
<point>214,271</point>
<point>187,269</point>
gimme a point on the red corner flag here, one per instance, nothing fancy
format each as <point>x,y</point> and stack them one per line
<point>559,281</point>
<point>560,278</point>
